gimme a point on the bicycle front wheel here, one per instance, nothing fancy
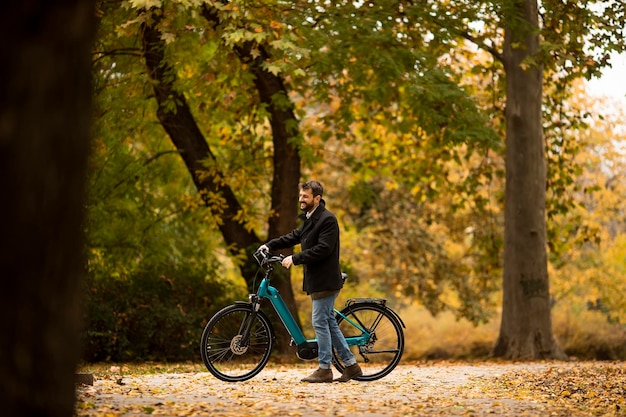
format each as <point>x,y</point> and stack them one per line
<point>382,352</point>
<point>224,350</point>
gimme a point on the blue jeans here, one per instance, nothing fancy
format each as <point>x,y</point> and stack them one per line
<point>328,334</point>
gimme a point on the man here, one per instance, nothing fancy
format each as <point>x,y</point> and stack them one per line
<point>319,240</point>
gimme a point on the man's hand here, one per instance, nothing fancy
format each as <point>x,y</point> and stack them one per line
<point>263,248</point>
<point>287,262</point>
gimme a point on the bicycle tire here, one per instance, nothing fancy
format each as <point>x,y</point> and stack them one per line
<point>221,353</point>
<point>384,350</point>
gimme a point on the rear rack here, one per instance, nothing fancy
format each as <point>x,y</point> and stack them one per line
<point>381,301</point>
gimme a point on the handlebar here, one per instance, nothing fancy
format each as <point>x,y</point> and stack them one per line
<point>264,258</point>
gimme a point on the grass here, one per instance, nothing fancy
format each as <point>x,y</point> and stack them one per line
<point>581,333</point>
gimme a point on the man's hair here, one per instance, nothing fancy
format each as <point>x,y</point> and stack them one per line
<point>314,186</point>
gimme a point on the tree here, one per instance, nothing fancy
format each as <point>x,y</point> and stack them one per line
<point>526,326</point>
<point>377,89</point>
<point>270,53</point>
<point>45,109</point>
<point>531,50</point>
<point>568,43</point>
<point>233,181</point>
<point>177,119</point>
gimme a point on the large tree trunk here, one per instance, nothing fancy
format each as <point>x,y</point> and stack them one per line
<point>286,159</point>
<point>526,327</point>
<point>176,118</point>
<point>186,136</point>
<point>45,112</point>
<point>286,176</point>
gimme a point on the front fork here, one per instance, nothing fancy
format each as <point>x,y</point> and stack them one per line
<point>246,326</point>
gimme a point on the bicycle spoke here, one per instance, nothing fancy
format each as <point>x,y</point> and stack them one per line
<point>372,352</point>
<point>382,352</point>
<point>221,345</point>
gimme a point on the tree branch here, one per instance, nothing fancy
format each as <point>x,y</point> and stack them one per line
<point>464,34</point>
<point>98,55</point>
<point>176,118</point>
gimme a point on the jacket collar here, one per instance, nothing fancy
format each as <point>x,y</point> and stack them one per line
<point>316,213</point>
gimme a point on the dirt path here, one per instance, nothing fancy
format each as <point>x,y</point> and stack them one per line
<point>447,389</point>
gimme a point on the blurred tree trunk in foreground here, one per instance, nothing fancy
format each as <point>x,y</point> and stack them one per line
<point>45,114</point>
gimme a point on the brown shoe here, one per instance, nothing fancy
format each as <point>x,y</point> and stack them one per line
<point>320,375</point>
<point>352,371</point>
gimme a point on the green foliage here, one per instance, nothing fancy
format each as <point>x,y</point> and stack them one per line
<point>579,37</point>
<point>378,86</point>
<point>589,268</point>
<point>448,260</point>
<point>154,314</point>
<point>154,274</point>
<point>155,266</point>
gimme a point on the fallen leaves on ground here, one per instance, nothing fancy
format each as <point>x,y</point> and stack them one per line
<point>424,389</point>
<point>587,389</point>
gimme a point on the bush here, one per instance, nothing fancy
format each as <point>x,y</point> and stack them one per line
<point>588,334</point>
<point>150,316</point>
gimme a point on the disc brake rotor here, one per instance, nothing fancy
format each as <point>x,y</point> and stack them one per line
<point>236,347</point>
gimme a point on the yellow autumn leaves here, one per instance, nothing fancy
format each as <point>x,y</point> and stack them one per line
<point>421,389</point>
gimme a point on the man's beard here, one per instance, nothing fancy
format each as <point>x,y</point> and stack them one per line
<point>307,207</point>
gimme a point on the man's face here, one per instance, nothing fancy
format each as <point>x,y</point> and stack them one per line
<point>307,201</point>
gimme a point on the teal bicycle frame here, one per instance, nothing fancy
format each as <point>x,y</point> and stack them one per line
<point>237,341</point>
<point>272,294</point>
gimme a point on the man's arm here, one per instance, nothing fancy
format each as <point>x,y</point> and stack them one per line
<point>289,240</point>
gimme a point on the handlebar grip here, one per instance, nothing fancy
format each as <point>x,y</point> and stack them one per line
<point>276,258</point>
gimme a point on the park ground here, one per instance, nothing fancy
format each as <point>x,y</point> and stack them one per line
<point>485,388</point>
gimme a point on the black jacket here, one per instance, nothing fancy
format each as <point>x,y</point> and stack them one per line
<point>319,240</point>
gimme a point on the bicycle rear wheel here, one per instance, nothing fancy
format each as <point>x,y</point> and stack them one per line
<point>221,347</point>
<point>380,355</point>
